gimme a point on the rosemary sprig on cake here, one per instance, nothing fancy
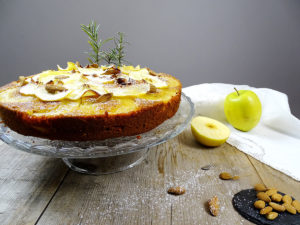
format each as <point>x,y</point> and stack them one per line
<point>119,49</point>
<point>114,56</point>
<point>92,30</point>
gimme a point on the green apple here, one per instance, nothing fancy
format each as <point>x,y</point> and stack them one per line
<point>209,132</point>
<point>242,109</point>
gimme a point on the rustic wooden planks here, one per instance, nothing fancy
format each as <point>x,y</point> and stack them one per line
<point>138,195</point>
<point>37,190</point>
<point>27,183</point>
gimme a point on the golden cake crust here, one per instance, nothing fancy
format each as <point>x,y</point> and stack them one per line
<point>83,125</point>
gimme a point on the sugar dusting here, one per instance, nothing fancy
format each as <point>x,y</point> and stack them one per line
<point>143,202</point>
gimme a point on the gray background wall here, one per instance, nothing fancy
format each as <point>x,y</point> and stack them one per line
<point>255,42</point>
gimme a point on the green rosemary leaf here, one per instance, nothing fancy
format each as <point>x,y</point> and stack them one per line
<point>112,56</point>
<point>92,30</point>
<point>119,48</point>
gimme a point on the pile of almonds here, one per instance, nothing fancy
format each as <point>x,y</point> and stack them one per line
<point>269,199</point>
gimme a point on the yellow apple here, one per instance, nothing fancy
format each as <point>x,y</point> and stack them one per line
<point>209,132</point>
<point>242,109</point>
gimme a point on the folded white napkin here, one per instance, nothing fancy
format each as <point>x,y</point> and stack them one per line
<point>275,141</point>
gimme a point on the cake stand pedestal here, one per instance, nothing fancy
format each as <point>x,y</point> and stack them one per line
<point>106,165</point>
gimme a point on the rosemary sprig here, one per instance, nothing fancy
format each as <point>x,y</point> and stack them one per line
<point>119,49</point>
<point>92,30</point>
<point>110,57</point>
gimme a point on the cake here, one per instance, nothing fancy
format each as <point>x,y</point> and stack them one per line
<point>89,103</point>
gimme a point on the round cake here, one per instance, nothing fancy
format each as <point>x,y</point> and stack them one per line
<point>89,103</point>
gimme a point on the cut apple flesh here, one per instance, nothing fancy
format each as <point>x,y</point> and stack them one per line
<point>209,132</point>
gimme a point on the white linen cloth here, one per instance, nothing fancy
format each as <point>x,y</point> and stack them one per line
<point>275,141</point>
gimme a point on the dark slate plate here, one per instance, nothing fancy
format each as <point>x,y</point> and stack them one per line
<point>243,203</point>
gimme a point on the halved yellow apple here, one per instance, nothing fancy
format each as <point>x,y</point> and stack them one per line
<point>209,132</point>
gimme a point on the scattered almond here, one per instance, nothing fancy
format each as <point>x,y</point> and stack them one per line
<point>263,196</point>
<point>260,187</point>
<point>214,206</point>
<point>259,204</point>
<point>225,176</point>
<point>296,205</point>
<point>287,199</point>
<point>176,190</point>
<point>271,215</point>
<point>289,208</point>
<point>276,197</point>
<point>266,210</point>
<point>271,191</point>
<point>277,207</point>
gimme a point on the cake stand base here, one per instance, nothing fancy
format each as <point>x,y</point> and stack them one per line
<point>106,165</point>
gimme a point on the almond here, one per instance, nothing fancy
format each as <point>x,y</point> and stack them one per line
<point>287,199</point>
<point>176,190</point>
<point>277,207</point>
<point>225,176</point>
<point>104,98</point>
<point>259,204</point>
<point>296,205</point>
<point>260,187</point>
<point>271,192</point>
<point>214,206</point>
<point>151,72</point>
<point>61,76</point>
<point>266,210</point>
<point>271,215</point>
<point>289,208</point>
<point>263,196</point>
<point>276,197</point>
<point>153,89</point>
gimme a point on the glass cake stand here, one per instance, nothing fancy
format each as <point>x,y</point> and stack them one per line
<point>106,156</point>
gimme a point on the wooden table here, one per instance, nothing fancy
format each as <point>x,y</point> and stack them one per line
<point>39,190</point>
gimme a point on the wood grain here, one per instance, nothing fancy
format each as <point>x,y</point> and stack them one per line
<point>27,183</point>
<point>38,190</point>
<point>139,195</point>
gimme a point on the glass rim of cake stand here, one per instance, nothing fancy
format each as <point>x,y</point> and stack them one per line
<point>103,148</point>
